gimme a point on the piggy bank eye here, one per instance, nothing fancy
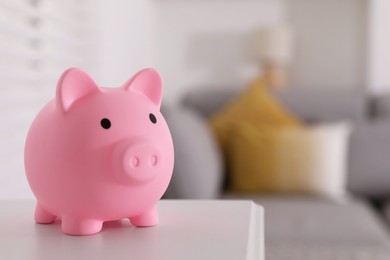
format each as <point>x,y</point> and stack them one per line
<point>105,123</point>
<point>152,118</point>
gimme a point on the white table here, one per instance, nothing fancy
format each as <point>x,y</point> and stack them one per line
<point>187,230</point>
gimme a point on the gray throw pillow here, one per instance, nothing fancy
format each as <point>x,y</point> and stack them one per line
<point>198,170</point>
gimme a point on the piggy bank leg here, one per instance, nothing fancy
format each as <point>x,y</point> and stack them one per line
<point>146,219</point>
<point>42,216</point>
<point>80,227</point>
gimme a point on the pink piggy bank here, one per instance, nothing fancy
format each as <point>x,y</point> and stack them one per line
<point>99,154</point>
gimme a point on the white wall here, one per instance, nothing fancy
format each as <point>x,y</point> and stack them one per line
<point>202,42</point>
<point>330,49</point>
<point>125,41</point>
<point>379,46</point>
<point>197,43</point>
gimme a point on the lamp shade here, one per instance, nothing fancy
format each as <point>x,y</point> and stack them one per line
<point>272,44</point>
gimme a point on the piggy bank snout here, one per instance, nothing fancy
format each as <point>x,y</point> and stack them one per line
<point>136,162</point>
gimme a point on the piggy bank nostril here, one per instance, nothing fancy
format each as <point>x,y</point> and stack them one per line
<point>153,160</point>
<point>134,162</point>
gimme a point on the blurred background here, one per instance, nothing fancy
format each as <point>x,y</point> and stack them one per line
<point>336,45</point>
<point>323,61</point>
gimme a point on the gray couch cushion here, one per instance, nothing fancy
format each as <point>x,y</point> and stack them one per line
<point>325,106</point>
<point>381,107</point>
<point>310,106</point>
<point>310,228</point>
<point>198,170</point>
<point>369,172</point>
<point>386,211</point>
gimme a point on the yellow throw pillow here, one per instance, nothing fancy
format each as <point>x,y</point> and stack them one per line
<point>255,105</point>
<point>289,160</point>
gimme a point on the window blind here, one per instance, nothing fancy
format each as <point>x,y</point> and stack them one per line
<point>39,39</point>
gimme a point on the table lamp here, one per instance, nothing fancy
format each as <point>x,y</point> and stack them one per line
<point>272,48</point>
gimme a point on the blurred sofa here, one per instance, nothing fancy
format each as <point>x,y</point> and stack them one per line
<point>298,227</point>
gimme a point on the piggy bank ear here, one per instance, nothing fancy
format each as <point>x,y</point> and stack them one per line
<point>147,82</point>
<point>73,85</point>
